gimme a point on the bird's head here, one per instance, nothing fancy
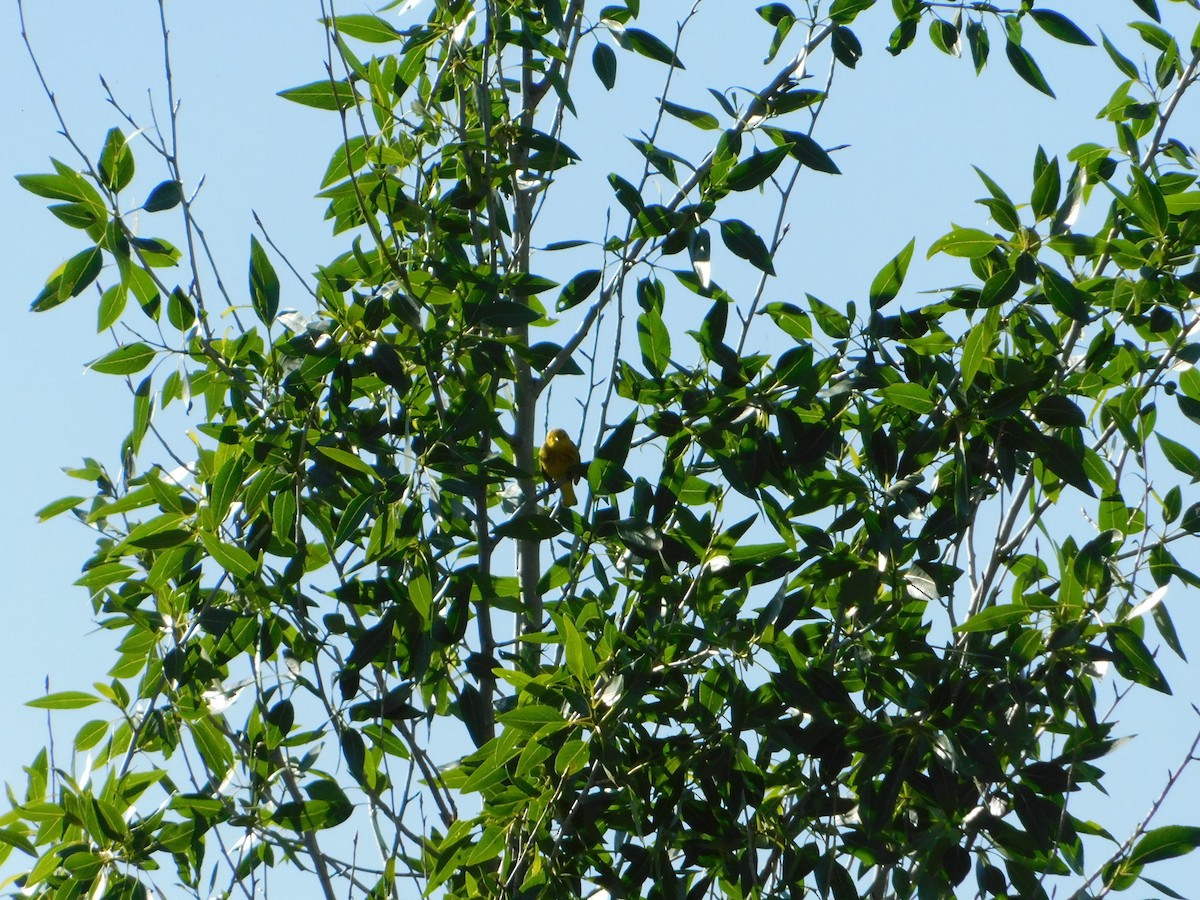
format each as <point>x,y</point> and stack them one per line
<point>557,438</point>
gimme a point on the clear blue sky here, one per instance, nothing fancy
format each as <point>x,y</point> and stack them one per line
<point>915,124</point>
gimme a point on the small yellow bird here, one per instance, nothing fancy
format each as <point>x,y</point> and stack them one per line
<point>558,456</point>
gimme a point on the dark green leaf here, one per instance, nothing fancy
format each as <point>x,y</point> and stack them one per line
<point>1167,842</point>
<point>1133,660</point>
<point>166,195</point>
<point>125,360</point>
<point>1150,8</point>
<point>970,243</point>
<point>627,194</point>
<point>843,12</point>
<point>995,618</point>
<point>1066,462</point>
<point>890,278</point>
<point>1183,458</point>
<point>980,44</point>
<point>754,170</point>
<point>649,46</point>
<point>264,284</point>
<point>944,36</point>
<point>366,27</point>
<point>743,241</point>
<point>1059,26</point>
<point>1024,65</point>
<point>116,161</point>
<point>64,700</point>
<point>322,94</point>
<point>1124,64</point>
<point>604,63</point>
<point>1059,412</point>
<point>232,559</point>
<point>846,47</point>
<point>1046,191</point>
<point>809,152</point>
<point>578,289</point>
<point>1065,296</point>
<point>791,318</point>
<point>655,342</point>
<point>697,117</point>
<point>832,322</point>
<point>909,396</point>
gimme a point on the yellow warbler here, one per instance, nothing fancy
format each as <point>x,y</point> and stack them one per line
<point>557,456</point>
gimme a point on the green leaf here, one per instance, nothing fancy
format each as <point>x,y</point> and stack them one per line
<point>1183,458</point>
<point>649,46</point>
<point>1124,64</point>
<point>655,342</point>
<point>1178,204</point>
<point>351,461</point>
<point>324,94</point>
<point>793,100</point>
<point>50,510</point>
<point>125,360</point>
<point>366,27</point>
<point>1059,412</point>
<point>61,187</point>
<point>1150,8</point>
<point>995,618</point>
<point>531,527</point>
<point>978,346</point>
<point>808,151</point>
<point>698,117</point>
<point>1059,26</point>
<point>890,278</point>
<point>166,195</point>
<point>1024,65</point>
<point>755,169</point>
<point>843,12</point>
<point>532,718</point>
<point>156,252</point>
<point>1046,191</point>
<point>604,62</point>
<point>909,396</point>
<point>743,241</point>
<point>264,284</point>
<point>970,243</point>
<point>64,700</point>
<point>1066,462</point>
<point>1065,296</point>
<point>1191,519</point>
<point>80,215</point>
<point>945,36</point>
<point>116,161</point>
<point>831,321</point>
<point>627,195</point>
<point>112,304</point>
<point>1154,35</point>
<point>1167,842</point>
<point>578,289</point>
<point>779,15</point>
<point>1133,660</point>
<point>70,279</point>
<point>846,47</point>
<point>980,44</point>
<point>1189,407</point>
<point>180,310</point>
<point>233,560</point>
<point>794,321</point>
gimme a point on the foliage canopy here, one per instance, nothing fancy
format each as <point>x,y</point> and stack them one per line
<point>816,628</point>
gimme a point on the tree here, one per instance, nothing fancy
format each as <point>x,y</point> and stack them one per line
<point>819,626</point>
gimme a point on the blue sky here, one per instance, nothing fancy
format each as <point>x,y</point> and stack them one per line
<point>914,126</point>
